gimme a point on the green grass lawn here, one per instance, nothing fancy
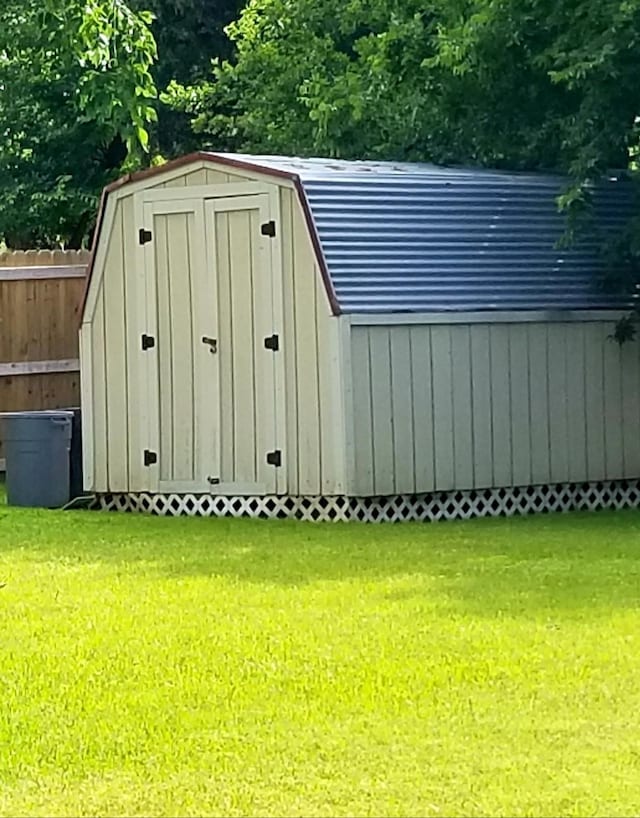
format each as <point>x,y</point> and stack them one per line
<point>156,666</point>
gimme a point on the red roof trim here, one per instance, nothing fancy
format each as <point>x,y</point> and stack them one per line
<point>317,246</point>
<point>216,159</point>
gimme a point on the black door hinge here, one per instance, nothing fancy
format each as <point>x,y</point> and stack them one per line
<point>148,342</point>
<point>144,236</point>
<point>268,229</point>
<point>274,458</point>
<point>150,458</point>
<point>272,342</point>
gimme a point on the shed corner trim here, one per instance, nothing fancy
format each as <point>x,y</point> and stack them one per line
<point>317,246</point>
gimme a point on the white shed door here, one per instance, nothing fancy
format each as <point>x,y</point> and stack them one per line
<point>182,371</point>
<point>248,327</point>
<point>212,370</point>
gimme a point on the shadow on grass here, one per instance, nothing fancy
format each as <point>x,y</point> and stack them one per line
<point>580,562</point>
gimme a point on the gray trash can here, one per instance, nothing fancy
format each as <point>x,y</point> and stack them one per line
<point>37,446</point>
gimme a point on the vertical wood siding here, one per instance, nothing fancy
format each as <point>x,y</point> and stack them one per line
<point>100,409</point>
<point>175,346</point>
<point>474,406</point>
<point>133,307</point>
<point>196,178</point>
<point>115,339</point>
<point>311,344</point>
<point>246,397</point>
<point>110,367</point>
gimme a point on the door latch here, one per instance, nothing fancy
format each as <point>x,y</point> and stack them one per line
<point>150,458</point>
<point>212,343</point>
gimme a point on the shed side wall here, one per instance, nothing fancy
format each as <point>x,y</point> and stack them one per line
<point>441,407</point>
<point>311,341</point>
<point>106,369</point>
<point>111,372</point>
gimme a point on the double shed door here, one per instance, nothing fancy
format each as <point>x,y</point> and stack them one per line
<point>213,377</point>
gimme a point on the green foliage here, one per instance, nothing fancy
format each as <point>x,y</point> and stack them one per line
<point>189,34</point>
<point>517,84</point>
<point>333,78</point>
<point>520,84</point>
<point>76,101</point>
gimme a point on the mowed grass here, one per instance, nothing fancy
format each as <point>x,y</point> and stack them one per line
<point>156,666</point>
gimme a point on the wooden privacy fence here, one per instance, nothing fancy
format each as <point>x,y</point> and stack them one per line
<point>40,299</point>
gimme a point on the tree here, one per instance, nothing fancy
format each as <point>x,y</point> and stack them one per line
<point>315,77</point>
<point>520,84</point>
<point>189,34</point>
<point>517,83</point>
<point>76,101</point>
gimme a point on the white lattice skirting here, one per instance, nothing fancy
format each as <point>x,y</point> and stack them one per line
<point>450,505</point>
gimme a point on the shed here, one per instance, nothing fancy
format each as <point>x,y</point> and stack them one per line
<point>328,339</point>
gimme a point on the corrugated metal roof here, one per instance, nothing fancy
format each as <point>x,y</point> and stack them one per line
<point>414,237</point>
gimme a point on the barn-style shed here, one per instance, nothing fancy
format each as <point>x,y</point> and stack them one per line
<point>278,336</point>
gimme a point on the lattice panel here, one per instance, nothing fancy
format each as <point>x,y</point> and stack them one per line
<point>451,505</point>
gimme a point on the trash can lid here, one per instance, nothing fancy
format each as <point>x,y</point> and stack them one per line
<point>39,414</point>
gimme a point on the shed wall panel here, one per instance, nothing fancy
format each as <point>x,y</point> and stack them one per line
<point>520,406</point>
<point>164,342</point>
<point>115,361</point>
<point>442,397</point>
<point>508,404</point>
<point>180,330</point>
<point>216,177</point>
<point>289,330</point>
<point>402,406</point>
<point>614,457</point>
<point>362,414</point>
<point>99,375</point>
<point>462,408</point>
<point>178,181</point>
<point>194,176</point>
<point>384,461</point>
<point>306,356</point>
<point>558,368</point>
<point>225,360</point>
<point>594,348</point>
<point>481,404</point>
<point>110,360</point>
<point>311,344</point>
<point>86,399</point>
<point>243,345</point>
<point>539,403</point>
<point>501,415</point>
<point>135,319</point>
<point>422,409</point>
<point>630,354</point>
<point>576,432</point>
<point>332,443</point>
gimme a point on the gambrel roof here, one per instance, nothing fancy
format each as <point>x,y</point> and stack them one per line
<point>397,237</point>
